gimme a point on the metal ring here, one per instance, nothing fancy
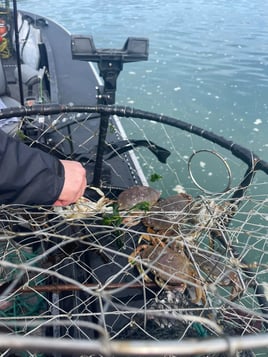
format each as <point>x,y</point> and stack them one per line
<point>229,173</point>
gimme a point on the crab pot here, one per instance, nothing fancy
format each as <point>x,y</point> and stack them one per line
<point>74,281</point>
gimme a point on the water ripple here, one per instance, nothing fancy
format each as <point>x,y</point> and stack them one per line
<point>208,60</point>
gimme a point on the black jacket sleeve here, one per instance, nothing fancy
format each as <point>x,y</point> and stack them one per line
<point>28,175</point>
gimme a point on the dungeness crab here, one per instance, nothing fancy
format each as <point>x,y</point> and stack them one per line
<point>172,270</point>
<point>85,208</point>
<point>187,218</point>
<point>170,216</point>
<point>135,195</point>
<point>217,271</point>
<point>134,201</point>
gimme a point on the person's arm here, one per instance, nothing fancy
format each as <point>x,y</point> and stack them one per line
<point>31,176</point>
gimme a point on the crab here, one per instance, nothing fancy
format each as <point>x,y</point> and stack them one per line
<point>210,218</point>
<point>170,218</point>
<point>134,201</point>
<point>172,270</point>
<point>208,214</point>
<point>134,195</point>
<point>168,213</point>
<point>85,208</point>
<point>217,271</point>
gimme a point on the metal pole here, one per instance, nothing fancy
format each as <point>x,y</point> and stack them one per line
<point>17,45</point>
<point>104,123</point>
<point>134,348</point>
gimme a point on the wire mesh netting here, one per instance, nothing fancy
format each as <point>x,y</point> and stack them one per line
<point>178,267</point>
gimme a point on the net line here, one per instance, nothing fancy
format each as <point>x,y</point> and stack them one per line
<point>93,271</point>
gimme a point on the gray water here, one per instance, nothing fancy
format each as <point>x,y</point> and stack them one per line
<point>208,61</point>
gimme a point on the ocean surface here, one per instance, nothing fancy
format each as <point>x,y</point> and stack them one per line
<point>208,61</point>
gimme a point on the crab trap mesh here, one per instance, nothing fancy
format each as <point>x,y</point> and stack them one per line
<point>174,267</point>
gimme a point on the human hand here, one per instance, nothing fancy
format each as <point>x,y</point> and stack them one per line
<point>74,184</point>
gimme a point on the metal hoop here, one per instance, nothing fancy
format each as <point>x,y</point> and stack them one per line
<point>229,173</point>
